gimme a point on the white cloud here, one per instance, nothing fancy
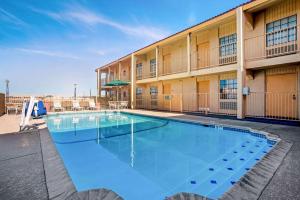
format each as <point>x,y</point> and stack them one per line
<point>47,53</point>
<point>8,17</point>
<point>100,52</point>
<point>80,15</point>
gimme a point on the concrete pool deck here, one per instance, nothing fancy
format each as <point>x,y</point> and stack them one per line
<point>22,171</point>
<point>9,123</point>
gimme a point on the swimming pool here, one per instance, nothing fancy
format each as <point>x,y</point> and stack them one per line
<point>145,158</point>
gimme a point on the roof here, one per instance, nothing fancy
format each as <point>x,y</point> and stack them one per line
<point>172,35</point>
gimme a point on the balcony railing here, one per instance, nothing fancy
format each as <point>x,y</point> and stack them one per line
<point>172,71</point>
<point>146,75</point>
<point>216,56</point>
<point>283,106</point>
<point>273,44</point>
<point>205,103</point>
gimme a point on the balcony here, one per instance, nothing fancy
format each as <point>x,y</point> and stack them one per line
<point>146,75</point>
<point>168,71</point>
<point>103,82</point>
<point>272,45</point>
<point>206,57</point>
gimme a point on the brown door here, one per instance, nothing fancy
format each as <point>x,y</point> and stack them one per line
<point>167,64</point>
<point>203,94</point>
<point>281,96</point>
<point>167,96</point>
<point>203,55</point>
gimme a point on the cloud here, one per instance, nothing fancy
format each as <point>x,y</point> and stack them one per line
<point>48,53</point>
<point>80,15</point>
<point>10,18</point>
<point>100,52</point>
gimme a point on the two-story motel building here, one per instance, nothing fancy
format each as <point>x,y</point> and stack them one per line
<point>244,62</point>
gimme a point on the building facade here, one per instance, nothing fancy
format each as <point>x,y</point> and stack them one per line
<point>244,62</point>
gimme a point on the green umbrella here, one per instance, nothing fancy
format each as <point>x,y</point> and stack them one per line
<point>117,83</point>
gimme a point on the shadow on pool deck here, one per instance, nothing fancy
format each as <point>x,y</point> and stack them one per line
<point>21,167</point>
<point>22,173</point>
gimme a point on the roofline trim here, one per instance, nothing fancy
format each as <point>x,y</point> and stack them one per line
<point>247,4</point>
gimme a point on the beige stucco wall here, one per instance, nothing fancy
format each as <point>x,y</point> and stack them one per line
<point>189,90</point>
<point>255,103</point>
<point>125,66</point>
<point>177,51</point>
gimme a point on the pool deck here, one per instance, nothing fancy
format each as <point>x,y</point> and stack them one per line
<point>9,123</point>
<point>23,164</point>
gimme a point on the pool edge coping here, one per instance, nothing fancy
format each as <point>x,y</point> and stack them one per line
<point>241,189</point>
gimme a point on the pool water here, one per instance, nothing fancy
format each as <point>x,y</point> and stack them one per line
<point>151,158</point>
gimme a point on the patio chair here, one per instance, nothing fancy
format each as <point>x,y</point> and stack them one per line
<point>123,104</point>
<point>11,108</point>
<point>57,106</point>
<point>76,106</point>
<point>92,105</point>
<point>112,105</point>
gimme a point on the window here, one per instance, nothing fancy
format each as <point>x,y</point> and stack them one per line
<point>124,73</point>
<point>139,70</point>
<point>228,94</point>
<point>153,67</point>
<point>139,91</point>
<point>227,45</point>
<point>281,31</point>
<point>153,90</point>
<point>228,89</point>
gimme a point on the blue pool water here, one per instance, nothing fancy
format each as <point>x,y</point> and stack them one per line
<point>150,158</point>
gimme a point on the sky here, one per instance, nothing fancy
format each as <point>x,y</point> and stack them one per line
<point>48,46</point>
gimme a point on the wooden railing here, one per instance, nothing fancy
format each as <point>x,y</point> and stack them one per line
<point>172,71</point>
<point>281,105</point>
<point>259,47</point>
<point>145,75</point>
<point>206,103</point>
<point>213,57</point>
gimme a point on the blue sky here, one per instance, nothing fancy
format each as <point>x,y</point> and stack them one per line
<point>47,46</point>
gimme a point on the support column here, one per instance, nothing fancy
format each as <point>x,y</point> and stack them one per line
<point>98,86</point>
<point>133,81</point>
<point>108,80</point>
<point>156,61</point>
<point>188,46</point>
<point>119,70</point>
<point>241,72</point>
